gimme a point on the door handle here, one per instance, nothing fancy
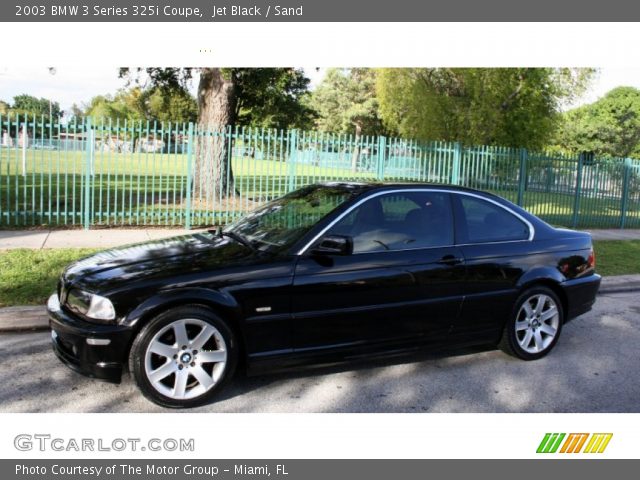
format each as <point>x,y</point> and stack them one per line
<point>450,260</point>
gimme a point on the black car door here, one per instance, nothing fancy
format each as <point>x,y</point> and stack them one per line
<point>495,244</point>
<point>403,282</point>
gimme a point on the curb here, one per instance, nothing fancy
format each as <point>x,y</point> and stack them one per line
<point>35,318</point>
<point>619,289</point>
<point>21,319</point>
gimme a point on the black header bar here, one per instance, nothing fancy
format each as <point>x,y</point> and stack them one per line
<point>319,11</point>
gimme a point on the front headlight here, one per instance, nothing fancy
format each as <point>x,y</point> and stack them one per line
<point>91,305</point>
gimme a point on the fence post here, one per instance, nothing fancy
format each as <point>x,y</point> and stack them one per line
<point>522,176</point>
<point>382,157</point>
<point>576,200</point>
<point>87,174</point>
<point>187,220</point>
<point>457,157</point>
<point>291,160</point>
<point>24,148</point>
<point>625,191</point>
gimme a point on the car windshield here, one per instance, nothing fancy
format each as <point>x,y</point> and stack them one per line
<point>282,222</point>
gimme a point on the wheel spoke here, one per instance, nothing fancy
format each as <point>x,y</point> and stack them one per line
<point>548,329</point>
<point>162,372</point>
<point>549,314</point>
<point>521,326</point>
<point>180,386</point>
<point>527,308</point>
<point>180,331</point>
<point>537,338</point>
<point>202,338</point>
<point>202,376</point>
<point>163,349</point>
<point>213,356</point>
<point>527,339</point>
<point>540,304</point>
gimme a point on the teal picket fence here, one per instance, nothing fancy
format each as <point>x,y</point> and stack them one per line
<point>116,173</point>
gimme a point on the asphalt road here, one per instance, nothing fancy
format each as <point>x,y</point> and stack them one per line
<point>595,367</point>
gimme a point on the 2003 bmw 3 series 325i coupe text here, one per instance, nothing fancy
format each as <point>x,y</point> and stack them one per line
<point>323,274</point>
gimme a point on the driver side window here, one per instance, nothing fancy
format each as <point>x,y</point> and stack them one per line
<point>399,221</point>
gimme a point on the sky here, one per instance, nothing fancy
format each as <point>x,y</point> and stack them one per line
<point>79,84</point>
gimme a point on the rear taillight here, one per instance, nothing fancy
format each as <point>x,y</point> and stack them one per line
<point>591,261</point>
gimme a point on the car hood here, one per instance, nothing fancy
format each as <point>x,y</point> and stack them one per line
<point>181,254</point>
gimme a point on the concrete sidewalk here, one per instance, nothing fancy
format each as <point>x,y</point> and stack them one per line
<point>113,237</point>
<point>99,238</point>
<point>34,317</point>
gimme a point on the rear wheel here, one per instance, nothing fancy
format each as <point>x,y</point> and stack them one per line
<point>183,357</point>
<point>535,324</point>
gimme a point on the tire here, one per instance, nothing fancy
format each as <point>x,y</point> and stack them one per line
<point>533,328</point>
<point>183,357</point>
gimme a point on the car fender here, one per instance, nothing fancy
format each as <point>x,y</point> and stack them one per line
<point>540,274</point>
<point>220,301</point>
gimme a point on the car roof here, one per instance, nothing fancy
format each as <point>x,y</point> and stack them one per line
<point>364,188</point>
<point>369,186</point>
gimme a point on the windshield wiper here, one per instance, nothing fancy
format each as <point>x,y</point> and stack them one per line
<point>235,236</point>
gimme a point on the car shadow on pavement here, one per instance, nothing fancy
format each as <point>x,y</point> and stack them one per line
<point>594,368</point>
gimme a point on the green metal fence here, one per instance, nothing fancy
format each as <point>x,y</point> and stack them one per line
<point>119,173</point>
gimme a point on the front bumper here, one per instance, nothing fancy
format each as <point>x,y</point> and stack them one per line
<point>581,294</point>
<point>98,351</point>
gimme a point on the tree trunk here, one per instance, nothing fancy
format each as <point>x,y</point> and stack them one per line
<point>356,148</point>
<point>213,176</point>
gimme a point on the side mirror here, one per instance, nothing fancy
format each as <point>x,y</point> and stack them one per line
<point>334,245</point>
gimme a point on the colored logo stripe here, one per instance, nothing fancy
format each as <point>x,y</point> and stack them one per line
<point>598,442</point>
<point>550,443</point>
<point>574,442</point>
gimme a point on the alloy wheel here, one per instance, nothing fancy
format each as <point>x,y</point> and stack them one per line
<point>185,359</point>
<point>537,323</point>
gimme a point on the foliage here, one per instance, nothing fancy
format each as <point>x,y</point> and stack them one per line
<point>4,108</point>
<point>124,105</point>
<point>346,102</point>
<point>272,97</point>
<point>29,105</point>
<point>514,107</point>
<point>160,104</point>
<point>176,105</point>
<point>265,97</point>
<point>607,127</point>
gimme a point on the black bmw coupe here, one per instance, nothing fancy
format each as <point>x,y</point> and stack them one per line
<point>326,273</point>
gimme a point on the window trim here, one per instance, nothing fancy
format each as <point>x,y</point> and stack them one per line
<point>529,225</point>
<point>457,211</point>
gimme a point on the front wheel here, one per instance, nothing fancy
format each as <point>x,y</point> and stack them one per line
<point>534,326</point>
<point>183,356</point>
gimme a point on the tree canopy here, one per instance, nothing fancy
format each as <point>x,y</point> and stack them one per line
<point>151,104</point>
<point>262,97</point>
<point>30,105</point>
<point>506,106</point>
<point>609,126</point>
<point>346,102</point>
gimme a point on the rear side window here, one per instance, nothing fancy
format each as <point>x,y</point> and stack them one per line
<point>481,221</point>
<point>399,221</point>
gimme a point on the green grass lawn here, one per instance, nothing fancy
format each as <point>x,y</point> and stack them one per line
<point>617,257</point>
<point>28,277</point>
<point>151,189</point>
<point>137,189</point>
